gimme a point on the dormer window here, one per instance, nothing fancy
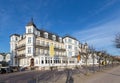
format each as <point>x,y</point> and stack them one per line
<point>29,31</point>
<point>54,37</point>
<point>60,39</point>
<point>16,39</point>
<point>38,33</point>
<point>69,40</point>
<point>46,35</point>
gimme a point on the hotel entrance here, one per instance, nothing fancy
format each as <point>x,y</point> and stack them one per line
<point>32,62</point>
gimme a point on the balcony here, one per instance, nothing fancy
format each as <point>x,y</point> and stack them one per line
<point>47,47</point>
<point>20,47</point>
<point>20,56</point>
<point>60,49</point>
<point>42,46</point>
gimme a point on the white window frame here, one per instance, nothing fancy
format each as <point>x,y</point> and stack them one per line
<point>46,35</point>
<point>29,30</point>
<point>60,39</point>
<point>29,50</point>
<point>29,40</point>
<point>54,37</point>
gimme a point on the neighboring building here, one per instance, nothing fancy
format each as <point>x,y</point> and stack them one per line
<point>1,57</point>
<point>71,45</point>
<point>6,57</point>
<point>90,59</point>
<point>32,47</point>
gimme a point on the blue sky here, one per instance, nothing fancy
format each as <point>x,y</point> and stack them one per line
<point>92,21</point>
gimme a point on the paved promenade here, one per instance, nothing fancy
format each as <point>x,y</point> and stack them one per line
<point>106,76</point>
<point>111,76</point>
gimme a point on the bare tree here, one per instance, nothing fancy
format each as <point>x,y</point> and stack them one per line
<point>92,52</point>
<point>117,41</point>
<point>85,55</point>
<point>100,57</point>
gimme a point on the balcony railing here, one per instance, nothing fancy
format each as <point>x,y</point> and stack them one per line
<point>20,47</point>
<point>47,47</point>
<point>20,56</point>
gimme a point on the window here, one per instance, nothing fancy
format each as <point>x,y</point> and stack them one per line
<point>54,37</point>
<point>42,62</point>
<point>46,35</point>
<point>16,38</point>
<point>75,48</point>
<point>55,45</point>
<point>38,33</point>
<point>29,50</point>
<point>65,40</point>
<point>69,40</point>
<point>47,43</point>
<point>42,43</point>
<point>47,51</point>
<point>25,63</point>
<point>29,39</point>
<point>60,46</point>
<point>69,47</point>
<point>70,54</point>
<point>76,42</point>
<point>38,51</point>
<point>57,53</point>
<point>42,51</point>
<point>60,39</point>
<point>29,31</point>
<point>38,42</point>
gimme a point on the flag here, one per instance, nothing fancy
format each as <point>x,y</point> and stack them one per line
<point>51,50</point>
<point>78,57</point>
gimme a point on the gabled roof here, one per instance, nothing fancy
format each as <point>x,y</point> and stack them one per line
<point>70,37</point>
<point>15,35</point>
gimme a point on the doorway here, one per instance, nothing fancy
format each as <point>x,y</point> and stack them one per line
<point>32,62</point>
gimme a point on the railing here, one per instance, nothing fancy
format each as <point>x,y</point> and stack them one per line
<point>21,46</point>
<point>20,55</point>
<point>47,47</point>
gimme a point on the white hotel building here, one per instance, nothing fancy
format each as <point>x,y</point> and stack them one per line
<point>71,45</point>
<point>32,48</point>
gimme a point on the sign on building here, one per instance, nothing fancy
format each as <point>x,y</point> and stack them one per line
<point>51,50</point>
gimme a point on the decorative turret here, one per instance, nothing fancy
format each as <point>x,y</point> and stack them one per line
<point>30,27</point>
<point>30,38</point>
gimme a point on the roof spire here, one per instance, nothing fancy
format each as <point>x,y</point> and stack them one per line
<point>32,19</point>
<point>31,23</point>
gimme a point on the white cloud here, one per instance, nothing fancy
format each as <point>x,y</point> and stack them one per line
<point>101,36</point>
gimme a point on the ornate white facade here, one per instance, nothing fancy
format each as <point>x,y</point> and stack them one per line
<point>32,48</point>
